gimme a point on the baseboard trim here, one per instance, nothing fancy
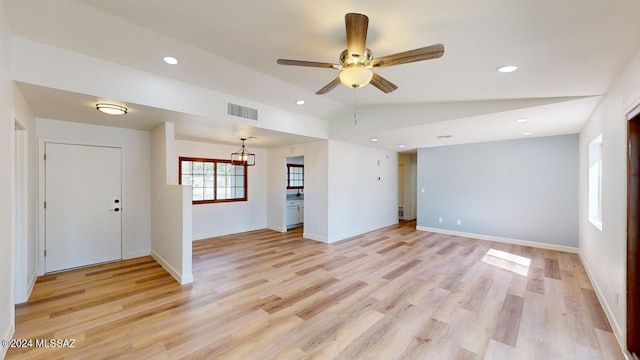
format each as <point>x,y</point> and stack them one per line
<point>315,237</point>
<point>277,228</point>
<point>535,244</point>
<point>32,283</point>
<point>8,334</point>
<point>224,233</point>
<point>361,231</point>
<point>137,254</point>
<point>181,279</point>
<point>617,330</point>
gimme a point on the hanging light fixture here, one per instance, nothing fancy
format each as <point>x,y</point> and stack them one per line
<point>111,109</point>
<point>243,156</point>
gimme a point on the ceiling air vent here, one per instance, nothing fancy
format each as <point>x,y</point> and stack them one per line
<point>242,111</point>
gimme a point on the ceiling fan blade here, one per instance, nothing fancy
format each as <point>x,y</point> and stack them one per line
<point>356,25</point>
<point>425,53</point>
<point>307,63</point>
<point>383,84</point>
<point>330,86</point>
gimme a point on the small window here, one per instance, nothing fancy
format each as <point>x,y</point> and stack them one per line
<point>595,182</point>
<point>213,180</point>
<point>295,176</point>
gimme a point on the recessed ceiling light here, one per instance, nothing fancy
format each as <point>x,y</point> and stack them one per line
<point>374,139</point>
<point>527,133</point>
<point>111,109</point>
<point>401,146</point>
<point>300,102</point>
<point>170,60</point>
<point>507,68</point>
<point>523,120</point>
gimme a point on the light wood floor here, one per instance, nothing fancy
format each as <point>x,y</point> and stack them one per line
<point>396,293</point>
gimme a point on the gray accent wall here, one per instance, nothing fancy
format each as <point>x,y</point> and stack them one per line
<point>518,189</point>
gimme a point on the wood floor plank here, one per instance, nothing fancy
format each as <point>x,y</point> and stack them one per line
<point>595,310</point>
<point>551,269</point>
<point>394,293</point>
<point>509,320</point>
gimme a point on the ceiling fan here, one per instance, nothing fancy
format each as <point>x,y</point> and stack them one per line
<point>357,61</point>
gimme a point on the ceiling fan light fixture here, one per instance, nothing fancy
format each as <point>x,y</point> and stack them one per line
<point>111,109</point>
<point>355,77</point>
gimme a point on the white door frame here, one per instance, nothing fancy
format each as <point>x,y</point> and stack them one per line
<point>19,215</point>
<point>41,193</point>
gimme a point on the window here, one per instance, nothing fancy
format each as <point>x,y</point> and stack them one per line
<point>213,180</point>
<point>595,182</point>
<point>295,176</point>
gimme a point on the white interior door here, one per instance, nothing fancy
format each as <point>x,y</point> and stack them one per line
<point>83,205</point>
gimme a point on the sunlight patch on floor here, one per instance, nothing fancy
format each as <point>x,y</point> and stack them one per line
<point>502,259</point>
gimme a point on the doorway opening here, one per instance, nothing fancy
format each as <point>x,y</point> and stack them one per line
<point>407,185</point>
<point>294,206</point>
<point>633,240</point>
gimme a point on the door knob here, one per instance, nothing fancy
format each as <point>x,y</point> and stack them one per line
<point>116,209</point>
<point>116,201</point>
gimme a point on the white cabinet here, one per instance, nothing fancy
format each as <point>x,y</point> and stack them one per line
<point>292,215</point>
<point>295,213</point>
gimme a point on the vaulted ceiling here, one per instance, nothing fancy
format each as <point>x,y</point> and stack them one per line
<point>568,52</point>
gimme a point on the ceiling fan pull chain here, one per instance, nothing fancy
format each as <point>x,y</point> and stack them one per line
<point>355,108</point>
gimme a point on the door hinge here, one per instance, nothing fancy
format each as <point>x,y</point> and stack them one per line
<point>45,204</point>
<point>45,157</point>
<point>45,253</point>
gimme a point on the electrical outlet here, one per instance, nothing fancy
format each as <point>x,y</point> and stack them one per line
<point>440,220</point>
<point>459,222</point>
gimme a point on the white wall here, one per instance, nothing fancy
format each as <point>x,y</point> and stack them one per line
<point>136,162</point>
<point>604,252</point>
<point>342,194</point>
<point>171,216</point>
<point>315,188</point>
<point>363,189</point>
<point>6,187</point>
<point>219,219</point>
<point>26,245</point>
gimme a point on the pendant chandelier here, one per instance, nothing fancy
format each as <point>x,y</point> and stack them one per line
<point>243,156</point>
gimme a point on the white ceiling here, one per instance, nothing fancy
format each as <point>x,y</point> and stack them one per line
<point>564,49</point>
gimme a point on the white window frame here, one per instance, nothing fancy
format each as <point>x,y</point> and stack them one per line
<point>595,182</point>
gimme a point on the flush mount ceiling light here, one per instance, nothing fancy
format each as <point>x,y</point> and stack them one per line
<point>111,109</point>
<point>444,136</point>
<point>523,120</point>
<point>401,146</point>
<point>170,60</point>
<point>507,68</point>
<point>300,102</point>
<point>243,156</point>
<point>374,140</point>
<point>527,133</point>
